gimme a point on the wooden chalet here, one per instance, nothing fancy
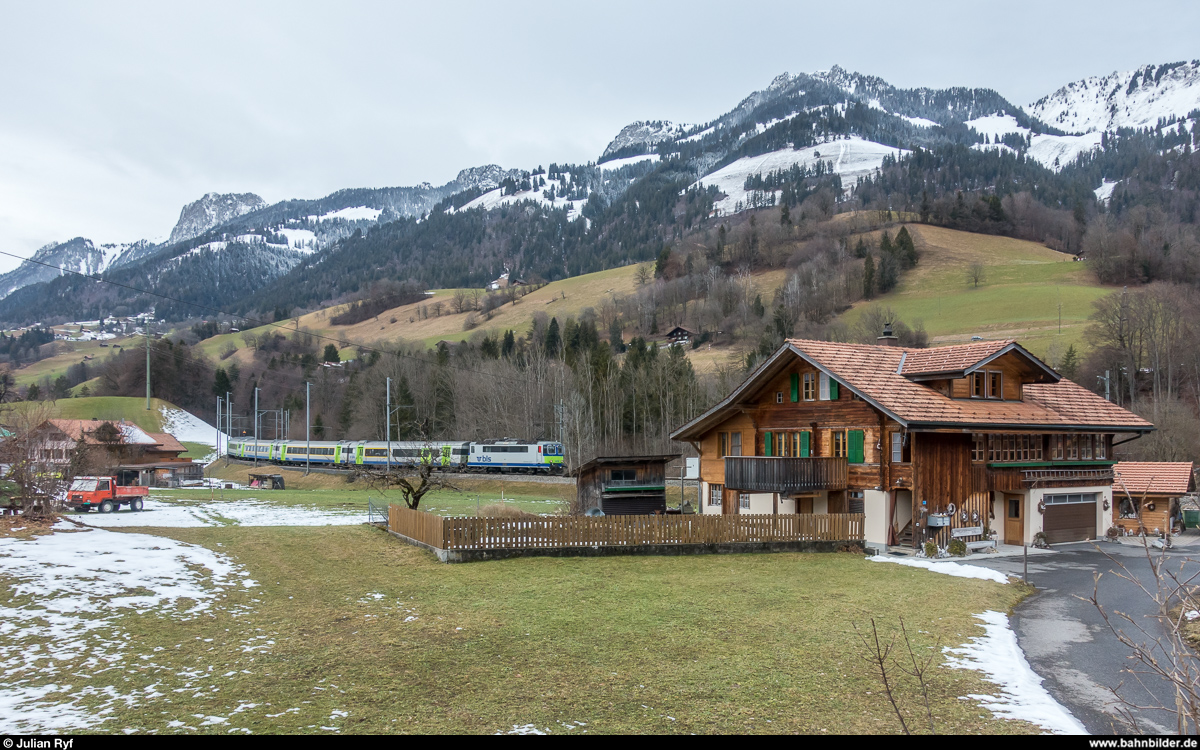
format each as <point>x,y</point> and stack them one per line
<point>1146,495</point>
<point>680,335</point>
<point>623,485</point>
<point>927,443</point>
<point>136,456</point>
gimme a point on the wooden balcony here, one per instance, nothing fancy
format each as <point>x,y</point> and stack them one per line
<point>785,475</point>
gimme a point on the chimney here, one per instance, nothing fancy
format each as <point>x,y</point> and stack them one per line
<point>888,338</point>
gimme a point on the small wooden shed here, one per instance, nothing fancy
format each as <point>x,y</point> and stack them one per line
<point>1146,494</point>
<point>623,485</point>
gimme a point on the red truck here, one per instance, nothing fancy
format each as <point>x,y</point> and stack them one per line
<point>104,494</point>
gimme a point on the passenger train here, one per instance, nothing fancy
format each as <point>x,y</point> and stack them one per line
<point>537,457</point>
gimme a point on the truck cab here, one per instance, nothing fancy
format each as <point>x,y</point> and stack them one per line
<point>104,494</point>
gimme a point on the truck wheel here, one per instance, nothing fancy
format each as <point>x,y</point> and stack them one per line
<point>135,504</point>
<point>106,506</point>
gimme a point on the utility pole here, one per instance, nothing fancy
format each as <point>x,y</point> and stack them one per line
<point>307,438</point>
<point>256,427</point>
<point>1107,378</point>
<point>147,364</point>
<point>218,423</point>
<point>388,412</point>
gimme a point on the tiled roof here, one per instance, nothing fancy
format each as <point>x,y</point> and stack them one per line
<point>1153,478</point>
<point>949,358</point>
<point>874,372</point>
<point>871,370</point>
<point>82,429</point>
<point>167,442</point>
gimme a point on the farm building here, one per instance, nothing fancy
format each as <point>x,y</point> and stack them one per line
<point>1146,495</point>
<point>940,443</point>
<point>139,457</point>
<point>623,485</point>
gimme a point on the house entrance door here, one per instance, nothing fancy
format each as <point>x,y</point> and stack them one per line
<point>1014,519</point>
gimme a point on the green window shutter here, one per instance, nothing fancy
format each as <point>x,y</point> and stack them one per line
<point>804,443</point>
<point>767,444</point>
<point>833,389</point>
<point>856,447</point>
<point>795,387</point>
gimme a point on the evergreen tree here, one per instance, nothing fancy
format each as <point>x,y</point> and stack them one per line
<point>906,249</point>
<point>34,393</point>
<point>331,354</point>
<point>318,428</point>
<point>785,216</point>
<point>759,309</point>
<point>84,392</point>
<point>221,383</point>
<point>1069,367</point>
<point>614,336</point>
<point>860,249</point>
<point>869,277</point>
<point>404,411</point>
<point>926,209</point>
<point>660,266</point>
<point>885,244</point>
<point>509,345</point>
<point>61,388</point>
<point>887,273</point>
<point>553,341</point>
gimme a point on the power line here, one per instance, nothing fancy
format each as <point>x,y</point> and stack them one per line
<point>258,323</point>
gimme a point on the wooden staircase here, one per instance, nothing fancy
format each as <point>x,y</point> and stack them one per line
<point>905,537</point>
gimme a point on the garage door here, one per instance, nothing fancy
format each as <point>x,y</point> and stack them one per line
<point>1069,518</point>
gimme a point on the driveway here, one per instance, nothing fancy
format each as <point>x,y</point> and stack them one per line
<point>1067,642</point>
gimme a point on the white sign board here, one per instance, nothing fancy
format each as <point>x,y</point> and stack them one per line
<point>692,468</point>
<point>967,531</point>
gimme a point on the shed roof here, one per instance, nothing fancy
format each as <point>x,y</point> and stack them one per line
<point>602,460</point>
<point>1153,478</point>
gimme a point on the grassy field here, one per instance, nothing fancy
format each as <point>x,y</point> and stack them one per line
<point>109,407</point>
<point>1024,285</point>
<point>52,367</point>
<point>350,630</point>
<point>335,491</point>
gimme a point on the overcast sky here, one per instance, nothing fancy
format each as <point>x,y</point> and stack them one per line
<point>114,115</point>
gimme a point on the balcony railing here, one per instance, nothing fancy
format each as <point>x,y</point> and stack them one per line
<point>1043,477</point>
<point>784,475</point>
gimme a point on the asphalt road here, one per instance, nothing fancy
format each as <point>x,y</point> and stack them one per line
<point>1067,642</point>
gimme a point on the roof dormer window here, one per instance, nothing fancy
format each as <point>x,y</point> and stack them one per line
<point>987,384</point>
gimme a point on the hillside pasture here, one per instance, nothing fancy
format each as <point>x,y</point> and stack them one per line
<point>1024,284</point>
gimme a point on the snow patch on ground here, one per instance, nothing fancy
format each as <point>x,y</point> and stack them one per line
<point>496,198</point>
<point>1058,151</point>
<point>615,164</point>
<point>1105,191</point>
<point>356,213</point>
<point>61,619</point>
<point>949,568</point>
<point>188,428</point>
<point>248,512</point>
<point>1022,697</point>
<point>304,240</point>
<point>996,126</point>
<point>920,122</point>
<point>852,159</point>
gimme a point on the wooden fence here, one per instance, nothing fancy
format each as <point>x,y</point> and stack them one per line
<point>618,531</point>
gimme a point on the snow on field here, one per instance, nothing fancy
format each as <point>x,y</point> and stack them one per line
<point>852,159</point>
<point>61,622</point>
<point>949,568</point>
<point>615,164</point>
<point>1128,99</point>
<point>1057,151</point>
<point>356,213</point>
<point>300,239</point>
<point>919,121</point>
<point>996,126</point>
<point>1022,697</point>
<point>241,512</point>
<point>696,136</point>
<point>1105,191</point>
<point>188,428</point>
<point>495,198</point>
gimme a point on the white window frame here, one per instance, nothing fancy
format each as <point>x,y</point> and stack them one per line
<point>823,391</point>
<point>897,448</point>
<point>715,493</point>
<point>743,501</point>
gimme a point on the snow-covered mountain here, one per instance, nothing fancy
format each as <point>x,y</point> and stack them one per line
<point>1132,99</point>
<point>213,210</point>
<point>642,135</point>
<point>78,254</point>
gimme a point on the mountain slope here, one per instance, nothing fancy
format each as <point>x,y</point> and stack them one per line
<point>77,254</point>
<point>1132,99</point>
<point>212,210</point>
